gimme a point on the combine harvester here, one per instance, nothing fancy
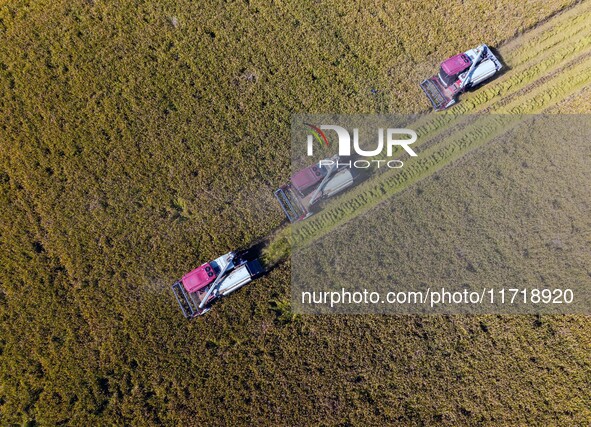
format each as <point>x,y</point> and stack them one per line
<point>197,290</point>
<point>309,186</point>
<point>459,73</point>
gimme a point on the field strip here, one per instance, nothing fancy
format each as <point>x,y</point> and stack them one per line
<point>546,68</point>
<point>494,96</point>
<point>484,129</point>
<point>512,104</point>
<point>440,125</point>
<point>564,26</point>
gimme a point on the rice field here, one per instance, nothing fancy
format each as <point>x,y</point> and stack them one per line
<point>140,139</point>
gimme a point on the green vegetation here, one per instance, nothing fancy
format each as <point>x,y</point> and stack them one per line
<point>140,139</point>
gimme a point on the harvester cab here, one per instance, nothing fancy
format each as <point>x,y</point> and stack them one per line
<point>459,73</point>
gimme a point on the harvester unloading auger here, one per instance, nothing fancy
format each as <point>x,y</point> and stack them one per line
<point>459,73</point>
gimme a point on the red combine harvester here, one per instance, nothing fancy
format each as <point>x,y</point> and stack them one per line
<point>197,290</point>
<point>312,184</point>
<point>459,73</point>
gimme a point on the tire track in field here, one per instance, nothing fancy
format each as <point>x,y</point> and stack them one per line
<point>546,66</point>
<point>552,56</point>
<point>466,137</point>
<point>510,103</point>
